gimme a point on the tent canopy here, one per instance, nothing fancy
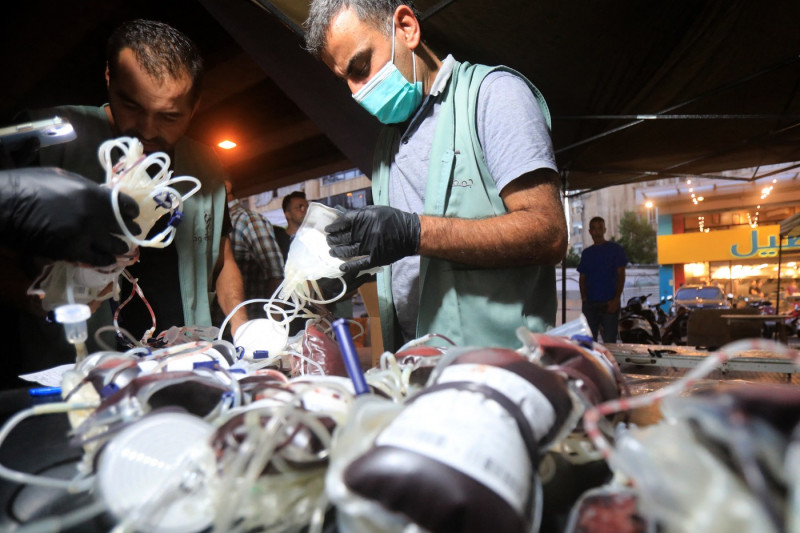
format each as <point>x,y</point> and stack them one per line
<point>637,90</point>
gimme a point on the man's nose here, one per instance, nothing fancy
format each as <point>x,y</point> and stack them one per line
<point>355,86</point>
<point>147,127</point>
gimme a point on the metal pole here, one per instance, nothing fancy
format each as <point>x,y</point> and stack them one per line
<point>564,261</point>
<point>778,293</point>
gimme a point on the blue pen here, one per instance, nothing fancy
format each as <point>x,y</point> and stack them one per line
<point>44,391</point>
<point>350,356</point>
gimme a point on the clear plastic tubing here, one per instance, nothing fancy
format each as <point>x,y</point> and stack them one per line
<point>351,363</point>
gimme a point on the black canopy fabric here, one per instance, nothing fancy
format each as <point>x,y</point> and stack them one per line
<point>637,90</point>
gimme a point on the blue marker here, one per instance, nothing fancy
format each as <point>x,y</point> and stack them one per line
<point>45,391</point>
<point>342,329</point>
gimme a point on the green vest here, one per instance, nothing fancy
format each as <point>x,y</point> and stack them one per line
<point>471,306</point>
<point>197,240</point>
<point>198,244</point>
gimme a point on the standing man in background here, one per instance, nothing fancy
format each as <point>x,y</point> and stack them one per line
<point>294,206</point>
<point>255,251</point>
<point>602,278</point>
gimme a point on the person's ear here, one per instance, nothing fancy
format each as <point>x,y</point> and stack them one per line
<point>196,106</point>
<point>407,23</point>
<point>107,76</point>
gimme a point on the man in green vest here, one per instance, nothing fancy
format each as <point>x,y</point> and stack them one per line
<point>469,216</point>
<point>153,75</point>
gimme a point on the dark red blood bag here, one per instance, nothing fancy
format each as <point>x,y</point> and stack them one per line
<point>462,454</point>
<point>319,347</point>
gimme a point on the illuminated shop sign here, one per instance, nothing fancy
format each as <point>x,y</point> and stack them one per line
<point>756,249</point>
<point>724,245</point>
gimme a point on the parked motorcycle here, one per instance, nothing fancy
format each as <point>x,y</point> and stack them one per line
<point>637,322</point>
<point>675,329</point>
<point>769,328</point>
<point>661,316</point>
<point>792,321</point>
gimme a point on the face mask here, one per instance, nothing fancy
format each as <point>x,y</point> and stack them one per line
<point>388,95</point>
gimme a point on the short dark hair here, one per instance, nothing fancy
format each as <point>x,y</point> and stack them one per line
<point>288,199</point>
<point>377,13</point>
<point>597,219</point>
<point>160,49</point>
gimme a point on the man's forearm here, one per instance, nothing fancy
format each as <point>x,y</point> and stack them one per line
<point>533,232</point>
<point>230,287</point>
<point>230,293</point>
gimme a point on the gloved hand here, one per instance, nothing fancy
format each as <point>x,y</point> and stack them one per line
<point>61,215</point>
<point>332,287</point>
<point>383,234</point>
<point>21,154</point>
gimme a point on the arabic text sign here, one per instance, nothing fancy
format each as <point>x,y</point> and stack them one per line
<point>724,245</point>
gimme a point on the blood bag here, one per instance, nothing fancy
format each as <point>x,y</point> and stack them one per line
<point>309,255</point>
<point>65,282</point>
<point>462,454</point>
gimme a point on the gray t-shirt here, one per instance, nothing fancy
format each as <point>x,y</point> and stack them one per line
<point>515,141</point>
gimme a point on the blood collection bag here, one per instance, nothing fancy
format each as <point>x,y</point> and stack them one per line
<point>309,258</point>
<point>462,454</point>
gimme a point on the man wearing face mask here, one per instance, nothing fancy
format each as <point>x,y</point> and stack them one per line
<point>469,213</point>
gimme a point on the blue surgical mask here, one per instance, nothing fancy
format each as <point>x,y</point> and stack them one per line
<point>388,95</point>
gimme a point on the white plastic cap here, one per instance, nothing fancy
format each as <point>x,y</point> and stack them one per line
<point>71,313</point>
<point>74,317</point>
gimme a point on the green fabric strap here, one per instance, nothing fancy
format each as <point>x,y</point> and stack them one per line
<point>198,237</point>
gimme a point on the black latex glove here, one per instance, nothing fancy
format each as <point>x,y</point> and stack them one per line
<point>21,154</point>
<point>60,215</point>
<point>332,287</point>
<point>383,234</point>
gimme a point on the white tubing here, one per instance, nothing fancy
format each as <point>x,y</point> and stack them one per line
<point>71,485</point>
<point>130,175</point>
<point>63,522</point>
<point>248,302</point>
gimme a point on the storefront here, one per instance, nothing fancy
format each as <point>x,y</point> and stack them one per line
<point>745,262</point>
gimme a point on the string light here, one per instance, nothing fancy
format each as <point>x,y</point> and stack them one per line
<point>765,192</point>
<point>753,221</point>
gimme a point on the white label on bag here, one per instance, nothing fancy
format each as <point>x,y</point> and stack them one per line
<point>533,404</point>
<point>473,434</point>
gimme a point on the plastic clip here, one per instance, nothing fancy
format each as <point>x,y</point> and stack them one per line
<point>163,199</point>
<point>175,219</point>
<point>108,390</point>
<point>585,341</point>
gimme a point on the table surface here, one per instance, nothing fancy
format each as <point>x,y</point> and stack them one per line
<point>41,443</point>
<point>755,317</point>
